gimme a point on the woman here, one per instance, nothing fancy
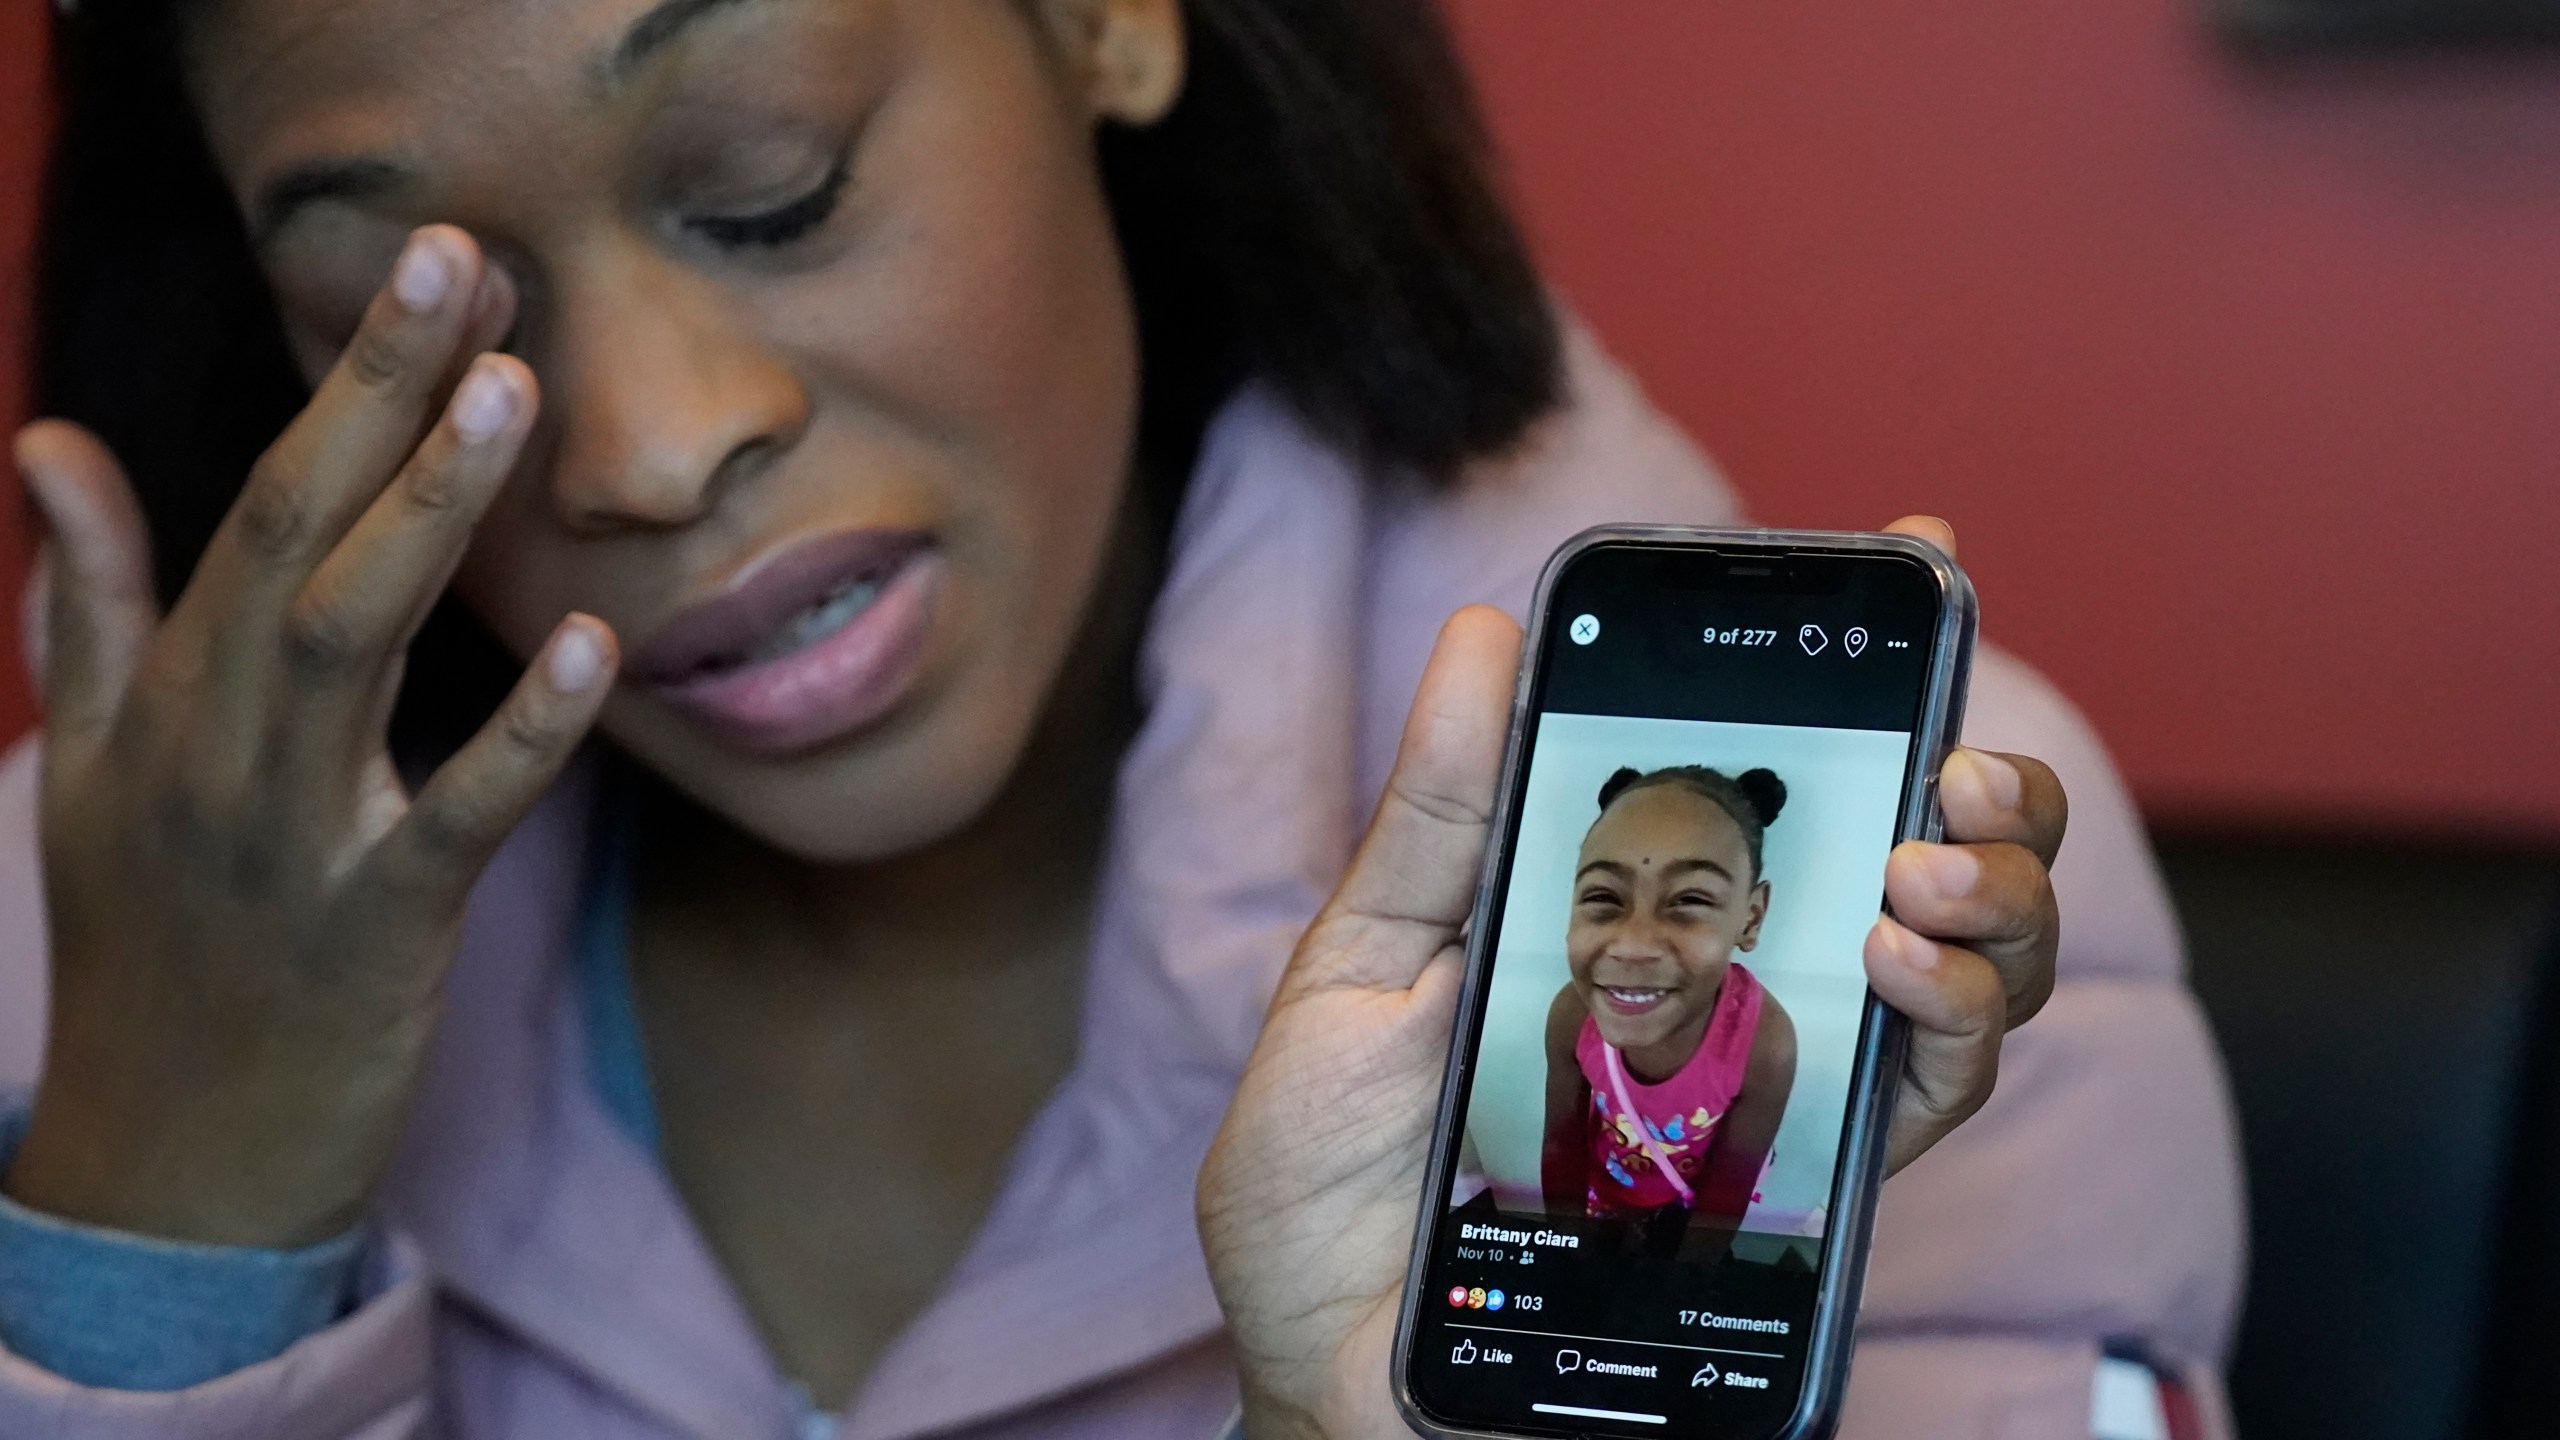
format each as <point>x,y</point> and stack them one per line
<point>1668,1064</point>
<point>981,713</point>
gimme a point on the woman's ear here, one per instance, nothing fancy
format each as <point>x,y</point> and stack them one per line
<point>1128,54</point>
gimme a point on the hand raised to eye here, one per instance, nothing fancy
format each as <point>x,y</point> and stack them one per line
<point>229,1062</point>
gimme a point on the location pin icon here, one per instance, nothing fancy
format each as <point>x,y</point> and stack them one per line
<point>1855,641</point>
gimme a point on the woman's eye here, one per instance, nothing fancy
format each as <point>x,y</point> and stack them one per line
<point>1695,897</point>
<point>783,223</point>
<point>1601,899</point>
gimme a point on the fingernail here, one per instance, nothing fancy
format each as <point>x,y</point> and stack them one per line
<point>422,277</point>
<point>484,403</point>
<point>1910,949</point>
<point>576,660</point>
<point>1997,777</point>
<point>1953,870</point>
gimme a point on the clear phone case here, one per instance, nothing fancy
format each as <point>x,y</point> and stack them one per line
<point>1879,1059</point>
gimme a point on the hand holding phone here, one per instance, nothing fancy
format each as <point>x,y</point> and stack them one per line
<point>1308,1200</point>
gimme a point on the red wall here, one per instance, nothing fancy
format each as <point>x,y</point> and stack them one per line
<point>2242,385</point>
<point>22,31</point>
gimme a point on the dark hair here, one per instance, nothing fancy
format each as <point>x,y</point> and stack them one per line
<point>1316,211</point>
<point>1753,798</point>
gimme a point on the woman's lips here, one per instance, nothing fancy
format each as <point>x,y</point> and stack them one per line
<point>819,640</point>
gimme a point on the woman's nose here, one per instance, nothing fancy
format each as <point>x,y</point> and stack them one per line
<point>662,395</point>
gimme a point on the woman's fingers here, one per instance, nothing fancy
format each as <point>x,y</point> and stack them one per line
<point>362,422</point>
<point>1984,795</point>
<point>360,609</point>
<point>1968,952</point>
<point>492,320</point>
<point>1414,879</point>
<point>488,326</point>
<point>102,609</point>
<point>256,653</point>
<point>1987,899</point>
<point>436,850</point>
<point>1957,1005</point>
<point>1996,900</point>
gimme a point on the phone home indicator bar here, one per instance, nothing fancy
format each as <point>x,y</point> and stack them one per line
<point>1588,1413</point>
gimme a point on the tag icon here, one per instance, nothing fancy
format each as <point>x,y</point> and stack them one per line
<point>1855,642</point>
<point>1812,639</point>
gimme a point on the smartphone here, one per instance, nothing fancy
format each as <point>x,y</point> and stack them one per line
<point>1659,1143</point>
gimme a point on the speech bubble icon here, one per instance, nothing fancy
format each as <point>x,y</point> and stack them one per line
<point>1812,638</point>
<point>1568,1361</point>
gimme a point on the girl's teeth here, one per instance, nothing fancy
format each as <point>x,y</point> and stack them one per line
<point>817,622</point>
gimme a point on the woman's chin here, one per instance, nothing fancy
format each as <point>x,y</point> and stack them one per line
<point>874,799</point>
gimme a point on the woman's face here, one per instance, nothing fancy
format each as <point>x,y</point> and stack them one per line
<point>1662,896</point>
<point>838,364</point>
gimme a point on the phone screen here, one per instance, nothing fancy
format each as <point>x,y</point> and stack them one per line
<point>1656,1102</point>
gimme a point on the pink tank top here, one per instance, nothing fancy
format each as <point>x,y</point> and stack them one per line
<point>1638,1128</point>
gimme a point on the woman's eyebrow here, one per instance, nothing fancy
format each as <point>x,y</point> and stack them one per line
<point>1609,866</point>
<point>280,199</point>
<point>366,178</point>
<point>653,32</point>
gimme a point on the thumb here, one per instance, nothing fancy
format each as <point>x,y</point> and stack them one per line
<point>35,609</point>
<point>1414,879</point>
<point>100,609</point>
<point>1926,527</point>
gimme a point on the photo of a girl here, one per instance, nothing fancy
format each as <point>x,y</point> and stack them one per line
<point>1668,1064</point>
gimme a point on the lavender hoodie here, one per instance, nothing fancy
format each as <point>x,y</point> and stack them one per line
<point>537,1278</point>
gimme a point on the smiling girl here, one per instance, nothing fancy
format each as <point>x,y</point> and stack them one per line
<point>1668,1066</point>
<point>703,658</point>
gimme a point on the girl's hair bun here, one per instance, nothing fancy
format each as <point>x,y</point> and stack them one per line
<point>1766,792</point>
<point>1616,785</point>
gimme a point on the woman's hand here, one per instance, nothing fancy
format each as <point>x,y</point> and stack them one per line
<point>250,915</point>
<point>1308,1198</point>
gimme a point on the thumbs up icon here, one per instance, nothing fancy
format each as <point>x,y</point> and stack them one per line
<point>1465,1354</point>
